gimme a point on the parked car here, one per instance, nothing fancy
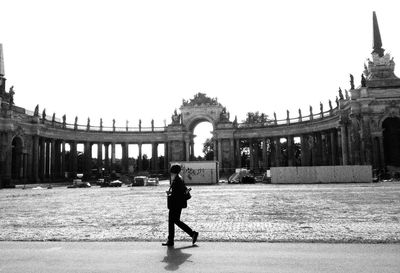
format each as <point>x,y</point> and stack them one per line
<point>139,181</point>
<point>78,183</point>
<point>152,181</point>
<point>248,179</point>
<point>238,175</point>
<point>116,183</point>
<point>105,183</point>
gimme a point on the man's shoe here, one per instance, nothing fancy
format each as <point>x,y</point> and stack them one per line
<point>168,243</point>
<point>194,237</point>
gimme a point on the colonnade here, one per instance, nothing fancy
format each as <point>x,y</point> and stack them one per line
<point>50,158</point>
<point>340,145</point>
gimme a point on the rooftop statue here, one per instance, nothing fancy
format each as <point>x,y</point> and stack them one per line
<point>36,113</point>
<point>224,116</point>
<point>363,81</point>
<point>351,82</point>
<point>176,119</point>
<point>76,123</point>
<point>11,93</point>
<point>340,94</point>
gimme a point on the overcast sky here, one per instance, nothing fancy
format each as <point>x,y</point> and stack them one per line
<point>132,60</point>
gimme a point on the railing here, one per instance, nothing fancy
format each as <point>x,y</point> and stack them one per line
<point>57,123</point>
<point>308,118</point>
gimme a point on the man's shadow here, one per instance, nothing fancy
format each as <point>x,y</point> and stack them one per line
<point>175,257</point>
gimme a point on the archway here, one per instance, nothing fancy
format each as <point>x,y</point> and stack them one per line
<point>202,133</point>
<point>391,141</point>
<point>17,164</point>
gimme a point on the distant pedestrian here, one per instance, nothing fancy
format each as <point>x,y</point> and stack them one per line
<point>176,202</point>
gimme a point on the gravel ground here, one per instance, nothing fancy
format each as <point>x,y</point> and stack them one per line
<point>364,213</point>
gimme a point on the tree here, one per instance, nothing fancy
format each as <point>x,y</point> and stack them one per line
<point>208,149</point>
<point>256,118</point>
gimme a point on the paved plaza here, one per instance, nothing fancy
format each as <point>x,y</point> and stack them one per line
<point>366,213</point>
<point>150,257</point>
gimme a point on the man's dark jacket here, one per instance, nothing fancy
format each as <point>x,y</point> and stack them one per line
<point>177,200</point>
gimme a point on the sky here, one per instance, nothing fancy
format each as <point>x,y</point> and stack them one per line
<point>131,60</point>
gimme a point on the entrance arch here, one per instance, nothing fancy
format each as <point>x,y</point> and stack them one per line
<point>17,159</point>
<point>202,131</point>
<point>391,141</point>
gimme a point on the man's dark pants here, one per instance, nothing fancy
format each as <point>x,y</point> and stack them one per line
<point>174,218</point>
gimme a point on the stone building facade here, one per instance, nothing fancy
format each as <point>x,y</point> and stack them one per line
<point>362,129</point>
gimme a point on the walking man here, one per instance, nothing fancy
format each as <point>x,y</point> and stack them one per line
<point>176,202</point>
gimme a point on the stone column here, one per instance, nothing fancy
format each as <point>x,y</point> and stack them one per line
<point>334,148</point>
<point>125,167</point>
<point>191,150</point>
<point>63,163</point>
<point>220,159</point>
<point>57,159</point>
<point>166,157</point>
<point>251,153</point>
<point>318,144</point>
<point>88,159</point>
<point>42,159</point>
<point>339,147</point>
<point>344,142</point>
<point>366,141</point>
<point>107,157</point>
<point>112,168</point>
<point>324,151</point>
<point>290,150</point>
<point>99,157</point>
<point>381,151</point>
<point>53,161</point>
<point>215,151</point>
<point>154,156</point>
<point>232,153</point>
<point>47,161</point>
<point>314,148</point>
<point>74,155</point>
<point>355,142</point>
<point>238,155</point>
<point>304,150</point>
<point>272,152</point>
<point>169,146</point>
<point>35,159</point>
<point>255,154</point>
<point>25,165</point>
<point>140,161</point>
<point>277,151</point>
<point>5,159</point>
<point>264,153</point>
<point>187,150</point>
<point>350,151</point>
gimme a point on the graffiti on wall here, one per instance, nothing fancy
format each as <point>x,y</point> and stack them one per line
<point>191,173</point>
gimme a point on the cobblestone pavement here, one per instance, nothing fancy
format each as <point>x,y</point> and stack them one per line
<point>261,212</point>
